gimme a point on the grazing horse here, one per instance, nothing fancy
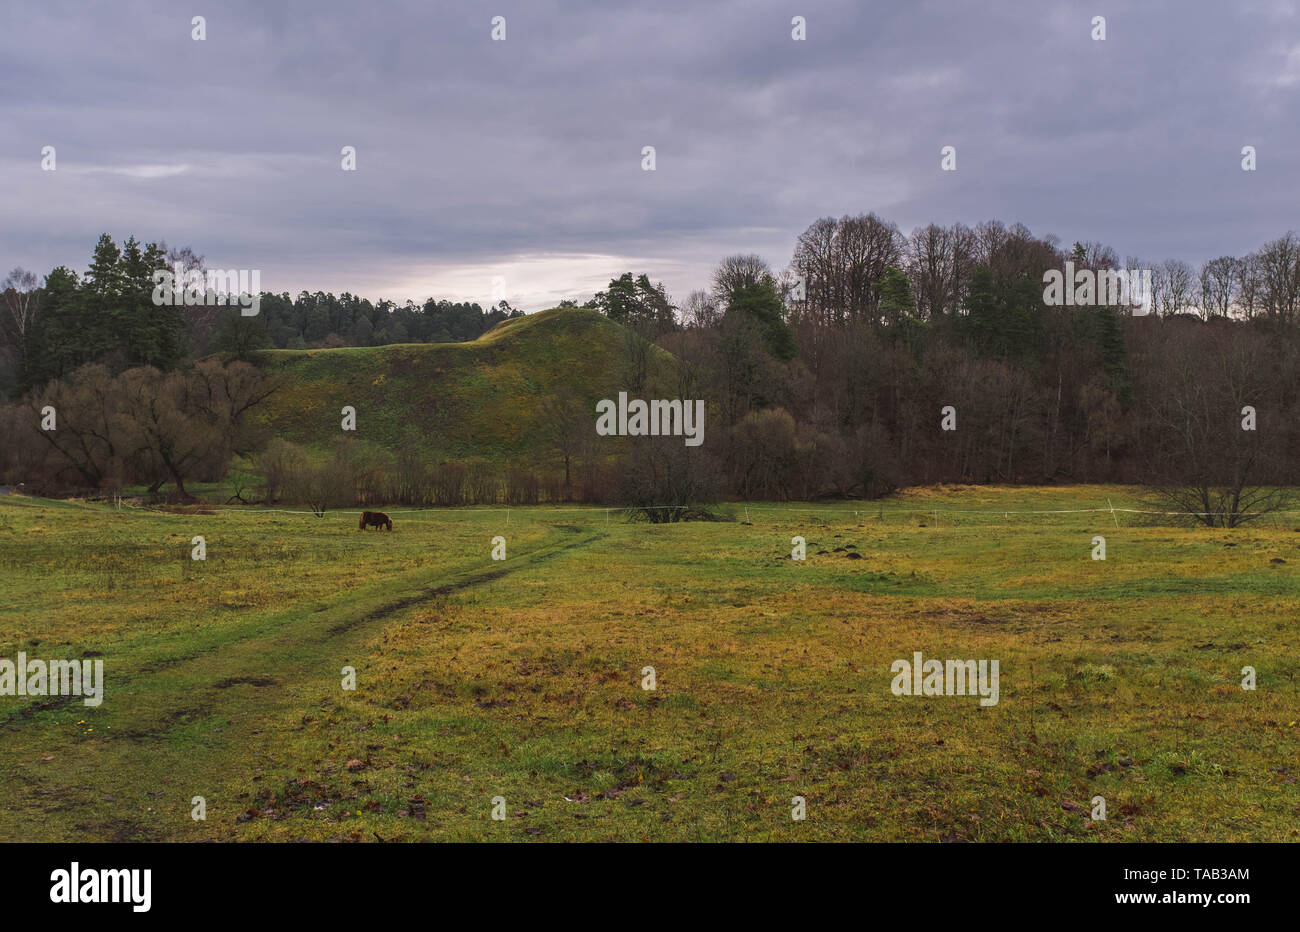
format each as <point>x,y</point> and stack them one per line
<point>375,519</point>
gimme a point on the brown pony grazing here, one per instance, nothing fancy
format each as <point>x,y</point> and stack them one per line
<point>375,519</point>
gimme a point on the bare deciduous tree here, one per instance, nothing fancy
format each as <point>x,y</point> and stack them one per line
<point>1174,281</point>
<point>1279,270</point>
<point>21,298</point>
<point>1198,456</point>
<point>1249,286</point>
<point>938,263</point>
<point>700,310</point>
<point>736,272</point>
<point>566,421</point>
<point>1218,286</point>
<point>842,263</point>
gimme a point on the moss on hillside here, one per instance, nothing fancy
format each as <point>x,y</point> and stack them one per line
<point>479,399</point>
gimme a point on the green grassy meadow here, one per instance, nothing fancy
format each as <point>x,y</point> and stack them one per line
<point>522,678</point>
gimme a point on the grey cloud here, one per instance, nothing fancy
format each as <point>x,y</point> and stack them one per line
<point>474,153</point>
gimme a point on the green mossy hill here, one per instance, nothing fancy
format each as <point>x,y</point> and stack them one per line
<point>492,397</point>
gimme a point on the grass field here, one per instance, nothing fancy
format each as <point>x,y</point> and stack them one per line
<point>522,678</point>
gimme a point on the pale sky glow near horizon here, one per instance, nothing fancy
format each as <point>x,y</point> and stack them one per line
<point>521,159</point>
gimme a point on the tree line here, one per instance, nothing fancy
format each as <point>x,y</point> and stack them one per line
<point>51,327</point>
<point>825,378</point>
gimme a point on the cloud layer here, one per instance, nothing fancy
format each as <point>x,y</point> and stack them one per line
<point>522,158</point>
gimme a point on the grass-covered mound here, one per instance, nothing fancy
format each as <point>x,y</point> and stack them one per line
<point>487,398</point>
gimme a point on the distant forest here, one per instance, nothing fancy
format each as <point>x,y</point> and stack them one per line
<point>827,377</point>
<point>108,316</point>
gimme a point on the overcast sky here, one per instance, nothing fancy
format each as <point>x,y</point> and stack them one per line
<point>522,158</point>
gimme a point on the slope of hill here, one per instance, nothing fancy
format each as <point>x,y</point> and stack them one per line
<point>486,398</point>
